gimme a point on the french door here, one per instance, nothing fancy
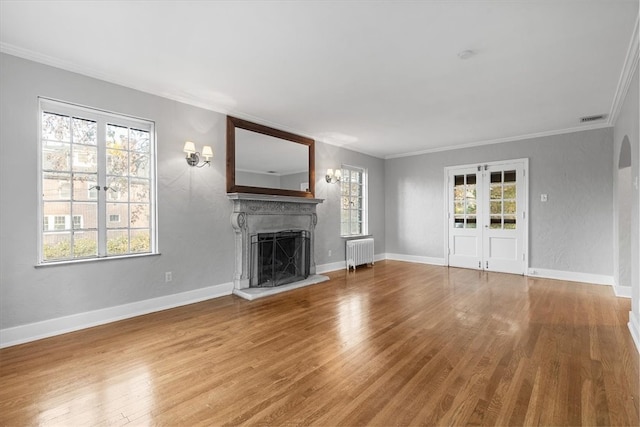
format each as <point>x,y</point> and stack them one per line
<point>486,213</point>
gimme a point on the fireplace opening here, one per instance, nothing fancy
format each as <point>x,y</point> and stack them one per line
<point>279,258</point>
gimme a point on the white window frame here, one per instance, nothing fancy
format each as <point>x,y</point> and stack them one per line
<point>102,118</point>
<point>365,200</point>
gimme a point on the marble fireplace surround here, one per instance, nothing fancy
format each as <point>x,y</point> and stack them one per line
<point>259,213</point>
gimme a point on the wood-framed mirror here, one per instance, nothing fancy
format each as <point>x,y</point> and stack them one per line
<point>264,160</point>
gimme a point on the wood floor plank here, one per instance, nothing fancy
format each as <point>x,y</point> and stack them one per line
<point>393,344</point>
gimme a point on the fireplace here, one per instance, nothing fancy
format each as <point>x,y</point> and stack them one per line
<point>279,258</point>
<point>274,243</point>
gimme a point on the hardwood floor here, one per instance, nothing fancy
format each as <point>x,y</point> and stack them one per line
<point>394,344</point>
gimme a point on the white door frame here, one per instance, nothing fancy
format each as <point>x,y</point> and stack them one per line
<point>525,222</point>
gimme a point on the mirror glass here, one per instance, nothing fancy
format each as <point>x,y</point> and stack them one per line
<point>269,162</point>
<point>265,160</point>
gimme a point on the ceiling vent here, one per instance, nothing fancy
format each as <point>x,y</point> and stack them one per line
<point>587,119</point>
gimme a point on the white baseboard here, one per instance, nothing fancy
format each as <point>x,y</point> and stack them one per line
<point>571,276</point>
<point>417,259</point>
<point>61,325</point>
<point>634,328</point>
<point>342,265</point>
<point>332,266</point>
<point>622,291</point>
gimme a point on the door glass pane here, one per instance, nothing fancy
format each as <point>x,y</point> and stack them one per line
<point>509,191</point>
<point>458,207</point>
<point>509,176</point>
<point>496,207</point>
<point>496,222</point>
<point>509,222</point>
<point>471,222</point>
<point>458,221</point>
<point>496,177</point>
<point>471,206</point>
<point>496,191</point>
<point>510,207</point>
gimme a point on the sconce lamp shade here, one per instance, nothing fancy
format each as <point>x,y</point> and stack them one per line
<point>207,153</point>
<point>189,147</point>
<point>333,176</point>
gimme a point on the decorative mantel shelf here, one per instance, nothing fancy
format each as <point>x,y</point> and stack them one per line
<point>261,213</point>
<point>270,198</point>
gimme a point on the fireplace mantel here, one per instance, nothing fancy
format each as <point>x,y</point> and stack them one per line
<point>270,198</point>
<point>260,213</point>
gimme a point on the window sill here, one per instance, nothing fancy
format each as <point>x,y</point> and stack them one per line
<point>88,260</point>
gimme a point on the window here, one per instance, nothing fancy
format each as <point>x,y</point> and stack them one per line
<point>95,167</point>
<point>353,212</point>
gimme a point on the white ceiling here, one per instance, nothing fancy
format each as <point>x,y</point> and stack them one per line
<point>381,77</point>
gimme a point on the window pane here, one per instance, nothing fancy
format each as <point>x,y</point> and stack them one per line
<point>458,180</point>
<point>117,162</point>
<point>56,246</point>
<point>139,141</point>
<point>56,186</point>
<point>458,207</point>
<point>84,186</point>
<point>139,165</point>
<point>496,177</point>
<point>88,211</point>
<point>56,156</point>
<point>140,241</point>
<point>117,189</point>
<point>471,222</point>
<point>117,137</point>
<point>117,242</point>
<point>139,216</point>
<point>458,221</point>
<point>496,207</point>
<point>85,158</point>
<point>140,189</point>
<point>120,209</point>
<point>56,127</point>
<point>471,179</point>
<point>56,209</point>
<point>355,189</point>
<point>85,244</point>
<point>85,131</point>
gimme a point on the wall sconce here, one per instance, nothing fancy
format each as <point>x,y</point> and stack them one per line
<point>193,157</point>
<point>333,177</point>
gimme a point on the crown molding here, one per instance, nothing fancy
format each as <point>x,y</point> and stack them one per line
<point>503,140</point>
<point>628,69</point>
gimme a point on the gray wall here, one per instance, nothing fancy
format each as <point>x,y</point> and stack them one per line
<point>195,236</point>
<point>627,125</point>
<point>332,157</point>
<point>571,232</point>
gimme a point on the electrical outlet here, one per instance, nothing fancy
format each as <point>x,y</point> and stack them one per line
<point>168,276</point>
<point>329,252</point>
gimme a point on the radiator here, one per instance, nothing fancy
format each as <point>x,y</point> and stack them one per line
<point>359,252</point>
